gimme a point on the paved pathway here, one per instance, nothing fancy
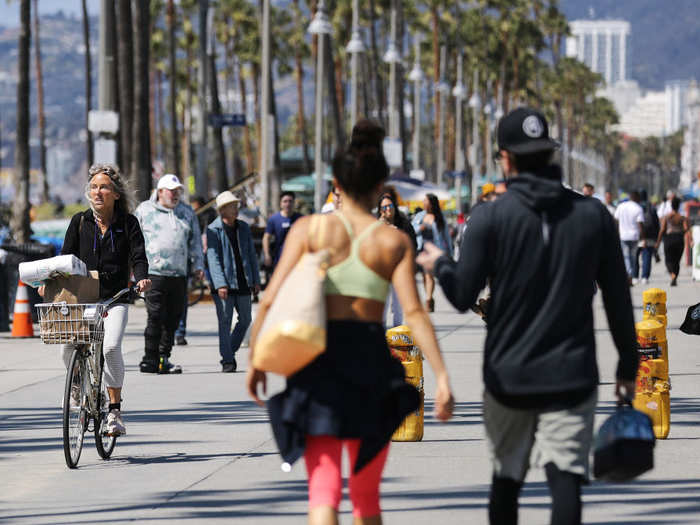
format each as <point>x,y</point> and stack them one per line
<point>199,451</point>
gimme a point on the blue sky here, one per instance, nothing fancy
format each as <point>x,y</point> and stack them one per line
<point>9,12</point>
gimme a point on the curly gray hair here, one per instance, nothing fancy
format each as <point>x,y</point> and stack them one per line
<point>120,184</point>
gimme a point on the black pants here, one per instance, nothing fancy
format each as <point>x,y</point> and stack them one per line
<point>673,251</point>
<point>164,305</point>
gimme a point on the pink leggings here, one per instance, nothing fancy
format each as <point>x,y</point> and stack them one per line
<point>322,455</point>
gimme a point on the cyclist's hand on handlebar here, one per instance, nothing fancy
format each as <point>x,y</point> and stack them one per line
<point>143,285</point>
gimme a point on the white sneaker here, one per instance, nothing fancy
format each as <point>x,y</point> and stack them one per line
<point>645,281</point>
<point>74,397</point>
<point>635,280</point>
<point>115,424</point>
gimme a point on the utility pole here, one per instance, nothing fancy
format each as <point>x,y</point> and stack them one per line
<point>264,110</point>
<point>443,89</point>
<point>354,47</point>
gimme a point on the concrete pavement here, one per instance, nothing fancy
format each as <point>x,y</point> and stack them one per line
<point>198,450</point>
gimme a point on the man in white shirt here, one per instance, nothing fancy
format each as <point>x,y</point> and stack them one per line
<point>665,207</point>
<point>630,218</point>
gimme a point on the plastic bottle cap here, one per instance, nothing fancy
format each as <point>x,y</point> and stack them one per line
<point>286,467</point>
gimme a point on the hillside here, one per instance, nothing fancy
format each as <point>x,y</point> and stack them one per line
<point>664,35</point>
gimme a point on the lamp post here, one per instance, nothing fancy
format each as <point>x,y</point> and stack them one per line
<point>392,57</point>
<point>264,175</point>
<point>416,76</point>
<point>459,92</point>
<point>354,47</point>
<point>319,26</point>
<point>475,105</point>
<point>443,88</point>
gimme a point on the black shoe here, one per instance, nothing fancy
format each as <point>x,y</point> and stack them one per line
<point>228,367</point>
<point>148,367</point>
<point>180,340</point>
<point>166,367</point>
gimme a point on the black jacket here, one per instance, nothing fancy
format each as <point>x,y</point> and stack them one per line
<point>119,250</point>
<point>543,248</point>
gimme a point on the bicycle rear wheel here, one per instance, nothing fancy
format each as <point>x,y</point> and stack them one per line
<point>75,410</point>
<point>103,442</point>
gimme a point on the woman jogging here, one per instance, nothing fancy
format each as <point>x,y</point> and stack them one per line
<point>673,229</point>
<point>107,238</point>
<point>430,226</point>
<point>353,395</point>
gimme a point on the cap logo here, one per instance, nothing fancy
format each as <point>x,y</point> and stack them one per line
<point>532,127</point>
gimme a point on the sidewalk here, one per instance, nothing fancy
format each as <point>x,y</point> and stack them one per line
<point>198,451</point>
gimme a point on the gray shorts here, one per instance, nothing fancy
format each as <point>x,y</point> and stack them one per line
<point>562,437</point>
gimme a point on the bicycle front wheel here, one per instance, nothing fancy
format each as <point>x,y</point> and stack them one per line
<point>75,409</point>
<point>103,442</point>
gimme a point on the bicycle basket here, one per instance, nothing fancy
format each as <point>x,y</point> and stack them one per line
<point>61,323</point>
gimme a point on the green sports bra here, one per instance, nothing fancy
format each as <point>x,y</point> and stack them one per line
<point>351,277</point>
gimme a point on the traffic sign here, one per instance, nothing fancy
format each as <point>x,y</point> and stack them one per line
<point>227,119</point>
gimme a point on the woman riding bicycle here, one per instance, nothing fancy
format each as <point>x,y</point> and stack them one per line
<point>354,394</point>
<point>107,238</point>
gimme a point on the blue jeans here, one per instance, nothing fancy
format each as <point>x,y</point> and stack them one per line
<point>646,254</point>
<point>394,308</point>
<point>229,343</point>
<point>629,252</point>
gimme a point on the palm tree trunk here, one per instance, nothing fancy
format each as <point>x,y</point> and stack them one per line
<point>141,148</point>
<point>41,117</point>
<point>339,132</point>
<point>219,152</point>
<point>19,224</point>
<point>256,95</point>
<point>379,88</point>
<point>126,85</point>
<point>88,80</point>
<point>172,43</point>
<point>436,71</point>
<point>299,74</point>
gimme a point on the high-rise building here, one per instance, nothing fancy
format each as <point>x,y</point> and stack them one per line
<point>690,152</point>
<point>676,105</point>
<point>602,46</point>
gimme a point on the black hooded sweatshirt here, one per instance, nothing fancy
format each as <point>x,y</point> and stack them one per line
<point>543,248</point>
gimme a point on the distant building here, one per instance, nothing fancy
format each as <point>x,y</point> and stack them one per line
<point>690,152</point>
<point>676,105</point>
<point>646,118</point>
<point>602,46</point>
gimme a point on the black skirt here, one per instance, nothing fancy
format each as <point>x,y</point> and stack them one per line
<point>355,389</point>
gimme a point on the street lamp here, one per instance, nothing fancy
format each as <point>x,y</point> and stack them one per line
<point>319,26</point>
<point>475,105</point>
<point>416,76</point>
<point>444,89</point>
<point>459,93</point>
<point>354,47</point>
<point>392,57</point>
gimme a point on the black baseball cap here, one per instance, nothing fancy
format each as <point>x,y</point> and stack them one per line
<point>524,131</point>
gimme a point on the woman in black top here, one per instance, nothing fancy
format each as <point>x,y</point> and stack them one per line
<point>108,239</point>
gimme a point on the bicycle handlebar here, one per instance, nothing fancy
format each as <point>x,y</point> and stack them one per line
<point>130,290</point>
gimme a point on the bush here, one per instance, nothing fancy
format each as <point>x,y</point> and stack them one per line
<point>72,209</point>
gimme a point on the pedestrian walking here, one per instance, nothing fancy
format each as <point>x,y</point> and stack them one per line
<point>233,266</point>
<point>630,220</point>
<point>354,394</point>
<point>588,190</point>
<point>673,228</point>
<point>277,228</point>
<point>333,204</point>
<point>108,239</point>
<point>204,218</point>
<point>174,248</point>
<point>609,202</point>
<point>665,207</point>
<point>388,212</point>
<point>647,241</point>
<point>430,226</point>
<point>543,247</point>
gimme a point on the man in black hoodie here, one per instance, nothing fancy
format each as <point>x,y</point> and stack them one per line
<point>543,248</point>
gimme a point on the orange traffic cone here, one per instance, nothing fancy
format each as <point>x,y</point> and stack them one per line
<point>22,322</point>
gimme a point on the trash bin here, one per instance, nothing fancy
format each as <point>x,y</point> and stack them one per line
<point>18,253</point>
<point>401,345</point>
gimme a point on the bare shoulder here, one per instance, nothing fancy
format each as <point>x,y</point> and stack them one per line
<point>392,240</point>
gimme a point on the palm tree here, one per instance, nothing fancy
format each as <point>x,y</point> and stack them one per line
<point>126,83</point>
<point>141,148</point>
<point>19,223</point>
<point>41,117</point>
<point>88,80</point>
<point>219,152</point>
<point>172,73</point>
<point>301,51</point>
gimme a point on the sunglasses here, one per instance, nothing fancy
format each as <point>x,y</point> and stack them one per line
<point>387,207</point>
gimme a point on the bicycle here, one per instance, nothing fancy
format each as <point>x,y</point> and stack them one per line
<point>85,396</point>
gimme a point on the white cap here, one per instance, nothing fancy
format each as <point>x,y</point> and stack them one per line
<point>169,182</point>
<point>224,198</point>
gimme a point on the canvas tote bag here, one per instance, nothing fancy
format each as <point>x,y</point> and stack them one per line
<point>294,331</point>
